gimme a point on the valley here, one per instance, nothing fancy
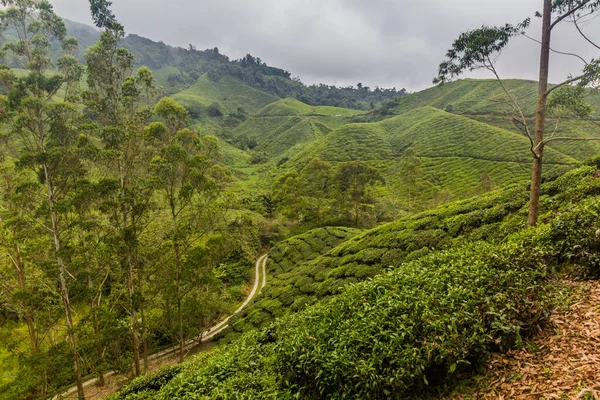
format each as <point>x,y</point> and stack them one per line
<point>321,241</point>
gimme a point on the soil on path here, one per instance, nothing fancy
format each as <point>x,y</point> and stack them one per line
<point>563,362</point>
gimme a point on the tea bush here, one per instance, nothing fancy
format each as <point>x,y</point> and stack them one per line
<point>417,323</point>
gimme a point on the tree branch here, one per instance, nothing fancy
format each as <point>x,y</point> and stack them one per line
<point>567,82</point>
<point>545,141</point>
<point>558,52</point>
<point>512,98</point>
<point>569,13</point>
<point>583,34</point>
<point>514,121</point>
<point>555,128</point>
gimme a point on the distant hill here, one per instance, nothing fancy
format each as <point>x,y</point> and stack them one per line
<point>230,93</point>
<point>179,69</point>
<point>284,127</point>
<point>455,151</point>
<point>474,97</point>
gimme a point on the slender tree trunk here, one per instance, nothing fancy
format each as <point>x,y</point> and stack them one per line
<point>134,322</point>
<point>144,338</point>
<point>94,313</point>
<point>540,117</point>
<point>100,363</point>
<point>64,289</point>
<point>178,279</point>
<point>129,250</point>
<point>21,279</point>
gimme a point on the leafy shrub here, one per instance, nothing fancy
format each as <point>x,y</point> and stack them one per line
<point>575,234</point>
<point>142,387</point>
<point>447,309</point>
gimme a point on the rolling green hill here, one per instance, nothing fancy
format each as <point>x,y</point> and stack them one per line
<point>476,96</point>
<point>471,96</point>
<point>284,127</point>
<point>566,128</point>
<point>455,151</point>
<point>228,92</point>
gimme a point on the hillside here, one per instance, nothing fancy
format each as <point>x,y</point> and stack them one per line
<point>139,207</point>
<point>476,96</point>
<point>287,290</point>
<point>228,92</point>
<point>455,151</point>
<point>178,69</point>
<point>566,128</point>
<point>303,270</point>
<point>284,127</point>
<point>433,315</point>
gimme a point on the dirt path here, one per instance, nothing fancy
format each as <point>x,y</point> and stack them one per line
<point>163,358</point>
<point>563,362</point>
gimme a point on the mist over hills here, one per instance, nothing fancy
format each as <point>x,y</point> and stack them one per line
<point>178,69</point>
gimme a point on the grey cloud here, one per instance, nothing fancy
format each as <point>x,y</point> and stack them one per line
<point>377,42</point>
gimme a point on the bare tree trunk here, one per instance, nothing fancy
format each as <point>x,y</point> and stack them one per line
<point>64,289</point>
<point>540,117</point>
<point>178,279</point>
<point>144,339</point>
<point>21,279</point>
<point>134,322</point>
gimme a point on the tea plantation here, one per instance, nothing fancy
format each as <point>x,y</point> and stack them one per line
<point>454,284</point>
<point>286,290</point>
<point>454,151</point>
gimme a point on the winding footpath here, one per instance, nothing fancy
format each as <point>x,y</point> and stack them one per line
<point>260,279</point>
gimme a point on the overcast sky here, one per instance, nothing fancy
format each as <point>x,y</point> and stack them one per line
<point>377,42</point>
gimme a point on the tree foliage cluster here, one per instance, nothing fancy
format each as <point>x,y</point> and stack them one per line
<point>326,195</point>
<point>115,231</point>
